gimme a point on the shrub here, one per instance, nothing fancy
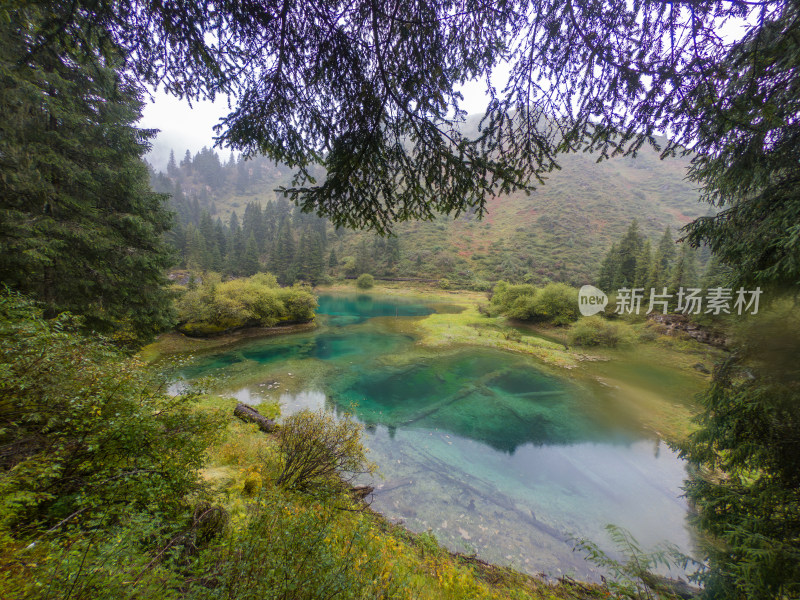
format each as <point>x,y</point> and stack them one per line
<point>84,428</point>
<point>445,284</point>
<point>316,447</point>
<point>216,307</point>
<point>299,551</point>
<point>513,301</point>
<point>99,466</point>
<point>556,303</point>
<point>365,281</point>
<point>596,331</point>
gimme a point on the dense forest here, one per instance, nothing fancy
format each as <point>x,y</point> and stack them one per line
<point>220,204</point>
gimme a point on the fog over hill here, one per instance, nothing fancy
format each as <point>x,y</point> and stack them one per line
<point>558,232</point>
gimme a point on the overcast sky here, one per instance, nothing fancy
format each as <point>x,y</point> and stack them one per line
<point>183,127</point>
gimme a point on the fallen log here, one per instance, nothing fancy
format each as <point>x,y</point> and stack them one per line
<point>361,491</point>
<point>248,414</point>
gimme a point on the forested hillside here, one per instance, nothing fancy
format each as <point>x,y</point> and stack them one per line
<point>558,233</point>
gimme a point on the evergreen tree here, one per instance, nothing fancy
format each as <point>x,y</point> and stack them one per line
<point>685,274</point>
<point>643,266</point>
<point>282,257</point>
<point>210,252</point>
<point>609,279</point>
<point>629,248</point>
<point>717,274</point>
<point>236,247</point>
<point>80,229</point>
<point>250,263</point>
<point>663,261</point>
<point>196,257</point>
<point>220,237</point>
<point>186,163</point>
<point>172,166</point>
<point>333,262</point>
<point>748,445</point>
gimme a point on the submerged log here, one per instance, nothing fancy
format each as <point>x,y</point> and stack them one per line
<point>248,414</point>
<point>361,491</point>
<point>393,485</point>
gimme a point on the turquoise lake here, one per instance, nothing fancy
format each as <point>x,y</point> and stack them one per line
<point>492,452</point>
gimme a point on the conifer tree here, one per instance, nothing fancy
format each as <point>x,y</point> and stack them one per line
<point>80,229</point>
<point>609,278</point>
<point>283,254</point>
<point>643,266</point>
<point>172,166</point>
<point>250,263</point>
<point>685,274</point>
<point>629,248</point>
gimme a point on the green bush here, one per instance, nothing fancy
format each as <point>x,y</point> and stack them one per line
<point>513,301</point>
<point>365,281</point>
<point>99,467</point>
<point>555,303</point>
<point>75,415</point>
<point>596,331</point>
<point>318,448</point>
<point>215,307</point>
<point>298,551</point>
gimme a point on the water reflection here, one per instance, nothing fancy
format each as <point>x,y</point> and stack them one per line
<point>522,508</point>
<point>491,453</point>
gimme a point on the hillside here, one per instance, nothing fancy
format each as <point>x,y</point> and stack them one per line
<point>559,232</point>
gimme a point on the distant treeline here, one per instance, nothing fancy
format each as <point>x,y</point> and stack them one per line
<point>229,221</point>
<point>275,237</point>
<point>633,262</point>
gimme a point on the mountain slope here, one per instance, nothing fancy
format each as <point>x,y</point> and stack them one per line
<point>559,232</point>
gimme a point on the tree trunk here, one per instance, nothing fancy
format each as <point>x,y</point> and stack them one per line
<point>248,414</point>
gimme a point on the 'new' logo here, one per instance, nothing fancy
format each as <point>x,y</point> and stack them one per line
<point>591,300</point>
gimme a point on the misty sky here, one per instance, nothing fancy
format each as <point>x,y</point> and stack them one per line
<point>182,127</point>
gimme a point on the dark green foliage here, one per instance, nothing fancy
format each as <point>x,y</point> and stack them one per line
<point>661,269</point>
<point>685,272</point>
<point>626,264</point>
<point>631,263</point>
<point>748,155</point>
<point>79,227</point>
<point>630,249</point>
<point>610,271</point>
<point>98,466</point>
<point>342,88</point>
<point>747,453</point>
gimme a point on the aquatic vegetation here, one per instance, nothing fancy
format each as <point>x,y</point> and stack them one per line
<point>498,452</point>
